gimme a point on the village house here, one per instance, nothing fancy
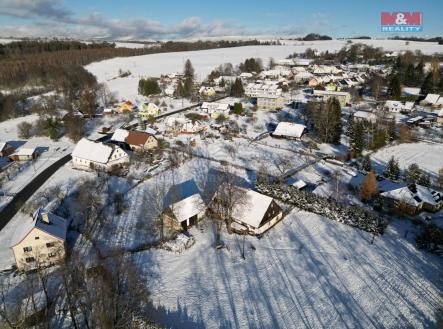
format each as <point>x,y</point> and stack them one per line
<point>91,155</point>
<point>413,198</point>
<point>431,99</point>
<point>137,140</point>
<point>342,96</point>
<point>5,149</point>
<point>39,241</point>
<point>256,214</point>
<point>126,107</point>
<point>289,130</point>
<point>269,102</point>
<point>393,106</point>
<point>183,206</point>
<point>182,125</point>
<point>24,154</point>
<point>147,110</point>
<point>207,91</point>
<point>215,109</point>
<point>267,88</point>
<point>364,116</point>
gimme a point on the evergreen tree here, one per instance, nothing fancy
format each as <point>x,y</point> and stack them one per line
<point>413,173</point>
<point>394,86</point>
<point>336,123</point>
<point>188,71</point>
<point>427,86</point>
<point>141,124</point>
<point>424,180</point>
<point>187,88</point>
<point>351,126</point>
<point>392,170</point>
<point>147,87</point>
<point>238,108</point>
<point>179,90</point>
<point>358,138</point>
<point>366,163</point>
<point>237,88</point>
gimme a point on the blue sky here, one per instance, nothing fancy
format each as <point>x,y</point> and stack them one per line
<point>138,19</point>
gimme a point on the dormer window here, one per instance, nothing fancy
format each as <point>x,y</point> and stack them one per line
<point>37,237</point>
<point>27,249</point>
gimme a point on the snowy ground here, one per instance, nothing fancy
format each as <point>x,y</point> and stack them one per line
<point>428,156</point>
<point>204,61</point>
<point>308,272</point>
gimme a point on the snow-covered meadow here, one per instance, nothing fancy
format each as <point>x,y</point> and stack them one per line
<point>204,61</point>
<point>307,272</point>
<point>428,156</point>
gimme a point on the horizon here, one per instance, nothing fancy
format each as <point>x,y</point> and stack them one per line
<point>138,20</point>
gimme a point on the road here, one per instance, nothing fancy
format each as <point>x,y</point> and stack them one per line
<point>26,192</point>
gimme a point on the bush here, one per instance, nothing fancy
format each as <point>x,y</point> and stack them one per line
<point>147,87</point>
<point>24,130</point>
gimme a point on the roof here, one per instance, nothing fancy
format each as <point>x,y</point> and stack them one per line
<point>57,226</point>
<point>137,137</point>
<point>93,151</point>
<point>25,151</point>
<point>431,98</point>
<point>415,195</point>
<point>289,129</point>
<point>184,200</point>
<point>299,184</point>
<point>331,93</point>
<point>187,208</point>
<point>3,146</point>
<point>120,135</point>
<point>253,209</point>
<point>365,115</point>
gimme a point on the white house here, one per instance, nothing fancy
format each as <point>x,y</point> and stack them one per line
<point>183,206</point>
<point>24,154</point>
<point>289,130</point>
<point>215,109</point>
<point>256,214</point>
<point>271,102</point>
<point>393,106</point>
<point>207,91</point>
<point>89,155</point>
<point>342,96</point>
<point>360,116</point>
<point>263,89</point>
<point>431,99</point>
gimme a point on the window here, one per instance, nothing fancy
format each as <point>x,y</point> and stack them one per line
<point>50,244</point>
<point>37,237</point>
<point>29,259</point>
<point>52,254</point>
<point>27,249</point>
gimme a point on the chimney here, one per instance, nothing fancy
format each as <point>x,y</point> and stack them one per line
<point>45,218</point>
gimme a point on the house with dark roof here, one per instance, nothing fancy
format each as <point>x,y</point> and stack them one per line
<point>413,198</point>
<point>39,241</point>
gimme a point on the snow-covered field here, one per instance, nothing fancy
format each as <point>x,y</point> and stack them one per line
<point>204,61</point>
<point>308,272</point>
<point>428,156</point>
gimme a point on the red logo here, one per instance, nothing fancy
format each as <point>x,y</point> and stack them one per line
<point>401,18</point>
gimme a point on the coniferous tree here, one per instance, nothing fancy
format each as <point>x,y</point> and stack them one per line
<point>394,86</point>
<point>358,138</point>
<point>424,180</point>
<point>351,126</point>
<point>392,170</point>
<point>427,86</point>
<point>413,173</point>
<point>366,163</point>
<point>237,88</point>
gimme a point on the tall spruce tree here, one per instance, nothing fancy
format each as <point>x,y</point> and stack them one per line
<point>392,170</point>
<point>237,89</point>
<point>394,86</point>
<point>366,163</point>
<point>358,138</point>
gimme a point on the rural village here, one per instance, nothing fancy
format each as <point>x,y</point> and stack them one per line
<point>277,178</point>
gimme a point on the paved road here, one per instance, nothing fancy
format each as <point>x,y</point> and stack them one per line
<point>21,197</point>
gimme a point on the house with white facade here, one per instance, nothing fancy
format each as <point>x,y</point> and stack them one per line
<point>289,130</point>
<point>92,155</point>
<point>215,109</point>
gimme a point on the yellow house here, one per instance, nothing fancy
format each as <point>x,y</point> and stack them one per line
<point>39,241</point>
<point>207,91</point>
<point>126,107</point>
